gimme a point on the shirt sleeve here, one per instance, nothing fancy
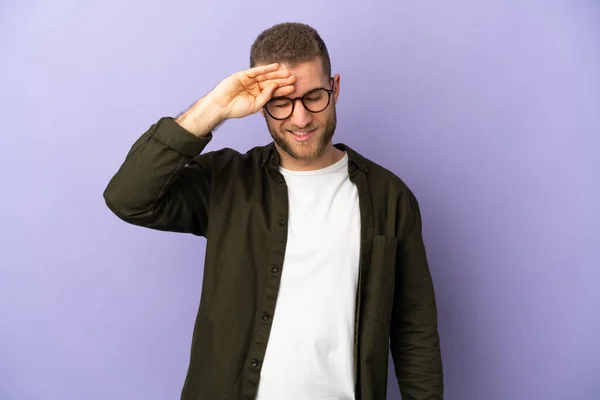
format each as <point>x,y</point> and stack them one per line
<point>414,338</point>
<point>164,182</point>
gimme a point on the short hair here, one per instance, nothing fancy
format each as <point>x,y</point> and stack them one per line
<point>289,43</point>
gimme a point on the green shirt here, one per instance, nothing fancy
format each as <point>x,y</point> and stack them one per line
<point>239,203</point>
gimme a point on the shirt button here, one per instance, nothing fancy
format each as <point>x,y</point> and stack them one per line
<point>274,270</point>
<point>254,363</point>
<point>265,317</point>
<point>281,222</point>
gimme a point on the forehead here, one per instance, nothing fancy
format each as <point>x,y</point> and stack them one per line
<point>309,75</point>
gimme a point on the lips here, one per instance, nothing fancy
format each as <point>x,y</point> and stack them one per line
<point>302,136</point>
<point>301,133</point>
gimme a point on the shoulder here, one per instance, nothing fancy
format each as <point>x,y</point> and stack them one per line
<point>381,179</point>
<point>393,201</point>
<point>384,176</point>
<point>389,187</point>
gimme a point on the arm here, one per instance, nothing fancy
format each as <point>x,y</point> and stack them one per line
<point>414,338</point>
<point>163,184</point>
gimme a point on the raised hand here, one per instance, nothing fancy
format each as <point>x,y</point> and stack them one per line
<point>237,96</point>
<point>246,92</point>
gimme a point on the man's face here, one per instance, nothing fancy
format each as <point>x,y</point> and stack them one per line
<point>305,135</point>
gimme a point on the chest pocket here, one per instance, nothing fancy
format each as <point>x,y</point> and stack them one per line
<point>379,293</point>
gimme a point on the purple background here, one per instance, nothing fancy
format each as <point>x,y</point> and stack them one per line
<point>489,110</point>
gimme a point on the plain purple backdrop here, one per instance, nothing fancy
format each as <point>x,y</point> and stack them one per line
<point>489,110</point>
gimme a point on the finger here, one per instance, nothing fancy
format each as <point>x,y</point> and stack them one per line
<point>283,73</point>
<point>266,94</point>
<point>263,69</point>
<point>280,82</point>
<point>284,91</point>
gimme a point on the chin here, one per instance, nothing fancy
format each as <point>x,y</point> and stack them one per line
<point>306,151</point>
<point>310,150</point>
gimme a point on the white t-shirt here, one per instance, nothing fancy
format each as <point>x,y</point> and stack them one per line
<point>310,354</point>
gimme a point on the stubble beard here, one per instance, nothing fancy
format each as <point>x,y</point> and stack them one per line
<point>305,151</point>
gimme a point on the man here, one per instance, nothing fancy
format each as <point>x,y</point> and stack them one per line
<point>315,259</point>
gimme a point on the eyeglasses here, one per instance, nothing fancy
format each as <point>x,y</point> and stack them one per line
<point>315,101</point>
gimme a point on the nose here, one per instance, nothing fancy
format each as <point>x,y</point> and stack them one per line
<point>301,116</point>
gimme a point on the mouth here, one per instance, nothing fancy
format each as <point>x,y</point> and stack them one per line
<point>302,136</point>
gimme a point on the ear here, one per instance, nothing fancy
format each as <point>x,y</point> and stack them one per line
<point>262,112</point>
<point>336,87</point>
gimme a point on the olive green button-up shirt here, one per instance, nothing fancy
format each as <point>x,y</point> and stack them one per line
<point>239,202</point>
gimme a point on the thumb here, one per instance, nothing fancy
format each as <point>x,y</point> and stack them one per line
<point>266,94</point>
